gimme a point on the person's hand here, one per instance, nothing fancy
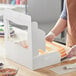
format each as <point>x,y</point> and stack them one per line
<point>50,37</point>
<point>72,52</point>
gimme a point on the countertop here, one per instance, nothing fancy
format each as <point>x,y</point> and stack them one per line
<point>24,71</point>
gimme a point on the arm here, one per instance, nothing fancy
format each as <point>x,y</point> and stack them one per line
<point>60,26</point>
<point>62,22</point>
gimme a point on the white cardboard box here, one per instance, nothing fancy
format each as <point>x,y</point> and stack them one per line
<point>30,56</point>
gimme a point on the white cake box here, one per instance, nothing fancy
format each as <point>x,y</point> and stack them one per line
<point>30,56</point>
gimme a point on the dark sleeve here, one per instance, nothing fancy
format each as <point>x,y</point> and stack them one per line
<point>64,12</point>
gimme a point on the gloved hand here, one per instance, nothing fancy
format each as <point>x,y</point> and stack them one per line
<point>72,52</point>
<point>50,37</point>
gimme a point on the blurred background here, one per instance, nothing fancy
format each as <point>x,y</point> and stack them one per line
<point>45,12</point>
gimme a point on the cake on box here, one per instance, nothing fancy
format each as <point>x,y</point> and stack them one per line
<point>2,30</point>
<point>53,46</point>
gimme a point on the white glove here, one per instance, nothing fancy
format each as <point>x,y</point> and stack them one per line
<point>50,36</point>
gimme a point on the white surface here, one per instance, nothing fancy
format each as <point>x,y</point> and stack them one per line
<point>2,50</point>
<point>61,70</point>
<point>71,66</point>
<point>10,6</point>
